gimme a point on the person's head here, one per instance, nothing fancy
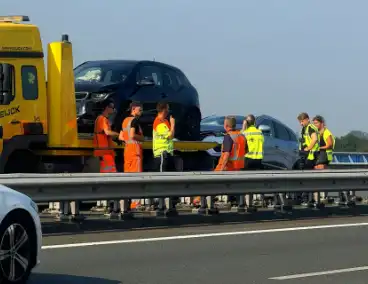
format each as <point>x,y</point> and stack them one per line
<point>251,120</point>
<point>229,123</point>
<point>163,109</point>
<point>136,109</point>
<point>303,119</point>
<point>319,122</point>
<point>108,107</point>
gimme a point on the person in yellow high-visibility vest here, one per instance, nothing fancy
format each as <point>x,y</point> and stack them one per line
<point>254,144</point>
<point>327,144</point>
<point>308,150</point>
<point>254,141</point>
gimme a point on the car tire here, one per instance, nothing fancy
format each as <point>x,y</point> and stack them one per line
<point>19,251</point>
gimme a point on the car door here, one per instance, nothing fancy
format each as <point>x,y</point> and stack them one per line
<point>149,96</point>
<point>270,151</point>
<point>284,145</point>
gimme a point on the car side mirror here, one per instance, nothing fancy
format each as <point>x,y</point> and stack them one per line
<point>147,81</point>
<point>266,130</point>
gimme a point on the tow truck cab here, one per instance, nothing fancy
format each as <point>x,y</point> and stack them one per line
<point>38,119</point>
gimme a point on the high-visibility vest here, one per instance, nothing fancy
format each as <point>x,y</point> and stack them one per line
<point>160,138</point>
<point>236,157</point>
<point>326,133</point>
<point>255,141</point>
<point>132,146</point>
<point>101,141</point>
<point>307,141</point>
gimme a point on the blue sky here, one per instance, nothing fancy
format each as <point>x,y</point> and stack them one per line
<point>274,57</point>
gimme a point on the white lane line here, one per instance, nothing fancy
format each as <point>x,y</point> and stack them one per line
<point>304,275</point>
<point>222,234</point>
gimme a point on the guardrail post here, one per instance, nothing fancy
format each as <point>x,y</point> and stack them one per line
<point>249,201</point>
<point>241,203</point>
<point>74,208</point>
<point>64,211</point>
<point>170,207</point>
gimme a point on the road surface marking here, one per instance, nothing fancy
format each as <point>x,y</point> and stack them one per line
<point>196,236</point>
<point>304,275</point>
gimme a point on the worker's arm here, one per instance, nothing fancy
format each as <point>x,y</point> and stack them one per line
<point>314,139</point>
<point>329,143</point>
<point>226,150</point>
<point>172,127</point>
<point>107,130</point>
<point>132,132</point>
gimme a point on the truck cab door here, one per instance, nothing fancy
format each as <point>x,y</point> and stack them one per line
<point>21,111</point>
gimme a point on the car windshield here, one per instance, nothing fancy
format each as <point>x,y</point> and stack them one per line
<point>106,74</point>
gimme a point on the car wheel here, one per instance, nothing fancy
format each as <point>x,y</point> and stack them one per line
<point>15,251</point>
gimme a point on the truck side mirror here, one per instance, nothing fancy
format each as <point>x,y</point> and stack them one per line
<point>6,83</point>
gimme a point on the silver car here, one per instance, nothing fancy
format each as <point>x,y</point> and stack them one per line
<point>281,143</point>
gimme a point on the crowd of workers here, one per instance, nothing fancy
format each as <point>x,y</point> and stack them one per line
<point>241,149</point>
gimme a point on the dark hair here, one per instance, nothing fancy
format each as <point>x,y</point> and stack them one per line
<point>231,121</point>
<point>161,106</point>
<point>107,103</point>
<point>251,120</point>
<point>134,104</point>
<point>319,118</point>
<point>303,116</point>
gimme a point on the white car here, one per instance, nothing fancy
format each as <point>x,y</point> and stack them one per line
<point>20,236</point>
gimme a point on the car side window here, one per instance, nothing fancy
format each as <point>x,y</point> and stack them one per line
<point>170,79</point>
<point>153,72</point>
<point>29,82</point>
<point>292,135</point>
<point>281,132</point>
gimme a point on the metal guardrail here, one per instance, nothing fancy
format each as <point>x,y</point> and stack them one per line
<point>350,159</point>
<point>79,187</point>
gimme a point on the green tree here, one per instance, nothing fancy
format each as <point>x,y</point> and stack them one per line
<point>351,143</point>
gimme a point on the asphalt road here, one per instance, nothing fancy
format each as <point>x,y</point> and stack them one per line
<point>253,253</point>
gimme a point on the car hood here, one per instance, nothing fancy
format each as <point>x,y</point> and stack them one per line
<point>95,87</point>
<point>4,190</point>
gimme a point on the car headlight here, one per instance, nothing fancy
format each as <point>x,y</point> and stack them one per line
<point>34,206</point>
<point>99,96</point>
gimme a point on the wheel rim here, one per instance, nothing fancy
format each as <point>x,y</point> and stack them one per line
<point>14,252</point>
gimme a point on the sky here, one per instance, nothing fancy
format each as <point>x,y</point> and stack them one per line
<point>275,57</point>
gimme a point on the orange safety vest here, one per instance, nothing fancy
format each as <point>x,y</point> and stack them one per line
<point>101,141</point>
<point>132,146</point>
<point>236,158</point>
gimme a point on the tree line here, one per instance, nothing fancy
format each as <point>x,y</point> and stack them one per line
<point>352,142</point>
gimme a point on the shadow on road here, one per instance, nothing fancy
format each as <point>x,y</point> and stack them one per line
<point>41,278</point>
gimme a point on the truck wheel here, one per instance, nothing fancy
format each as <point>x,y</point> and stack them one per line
<point>22,161</point>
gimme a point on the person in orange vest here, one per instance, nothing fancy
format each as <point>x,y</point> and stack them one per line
<point>102,139</point>
<point>233,148</point>
<point>132,135</point>
<point>102,142</point>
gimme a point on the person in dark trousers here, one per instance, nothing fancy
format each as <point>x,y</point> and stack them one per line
<point>163,147</point>
<point>254,144</point>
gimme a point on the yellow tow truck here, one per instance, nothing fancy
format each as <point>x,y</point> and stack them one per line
<point>38,129</point>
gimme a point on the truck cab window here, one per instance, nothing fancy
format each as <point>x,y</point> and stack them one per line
<point>7,83</point>
<point>29,82</point>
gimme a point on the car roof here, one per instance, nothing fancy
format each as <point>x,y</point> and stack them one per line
<point>126,61</point>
